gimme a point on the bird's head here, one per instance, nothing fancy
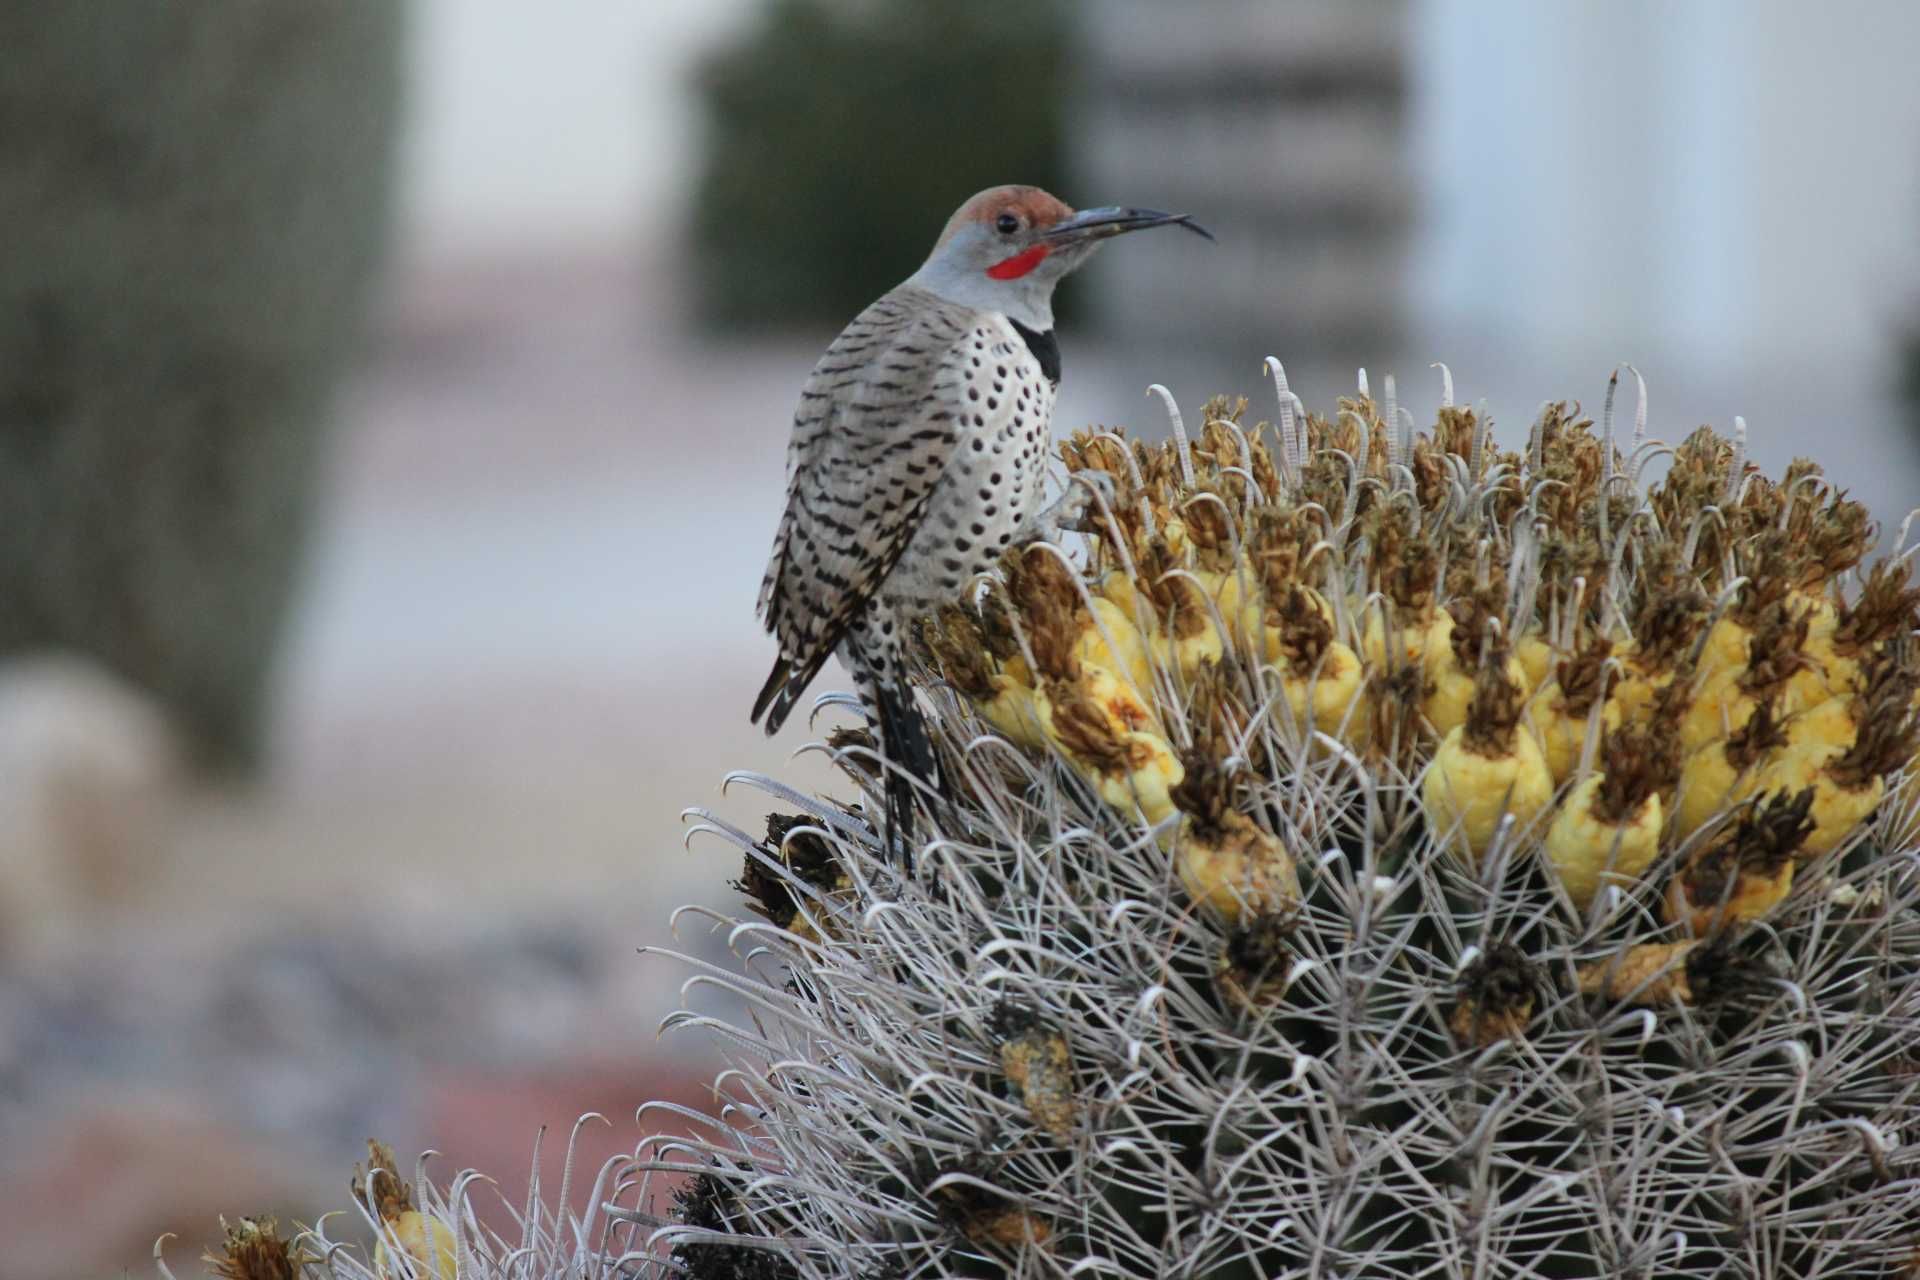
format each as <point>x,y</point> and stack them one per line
<point>1007,247</point>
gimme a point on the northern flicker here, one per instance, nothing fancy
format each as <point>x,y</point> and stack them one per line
<point>919,456</point>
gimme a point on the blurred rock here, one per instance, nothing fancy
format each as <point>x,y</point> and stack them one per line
<point>89,774</point>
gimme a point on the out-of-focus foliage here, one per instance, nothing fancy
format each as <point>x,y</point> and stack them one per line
<point>842,135</point>
<point>1909,356</point>
<point>193,198</point>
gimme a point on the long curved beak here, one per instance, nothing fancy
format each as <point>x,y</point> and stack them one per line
<point>1099,224</point>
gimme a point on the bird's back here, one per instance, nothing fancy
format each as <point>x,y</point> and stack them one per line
<point>871,438</point>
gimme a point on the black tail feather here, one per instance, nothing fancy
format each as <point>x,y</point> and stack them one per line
<point>904,743</point>
<point>774,694</point>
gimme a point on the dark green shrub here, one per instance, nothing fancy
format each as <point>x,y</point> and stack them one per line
<point>193,196</point>
<point>841,136</point>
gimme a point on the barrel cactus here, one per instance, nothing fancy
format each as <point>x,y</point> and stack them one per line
<point>1372,853</point>
<point>1309,893</point>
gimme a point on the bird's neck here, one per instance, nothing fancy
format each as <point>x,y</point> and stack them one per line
<point>1028,302</point>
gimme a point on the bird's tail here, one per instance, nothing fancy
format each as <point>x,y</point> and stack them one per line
<point>777,697</point>
<point>783,688</point>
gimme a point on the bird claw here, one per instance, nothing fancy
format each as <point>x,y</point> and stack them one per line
<point>1076,510</point>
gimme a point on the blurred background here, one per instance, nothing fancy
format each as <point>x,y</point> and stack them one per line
<point>393,401</point>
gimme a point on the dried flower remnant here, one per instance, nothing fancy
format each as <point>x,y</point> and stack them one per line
<point>1256,962</point>
<point>707,1204</point>
<point>1849,782</point>
<point>1037,1060</point>
<point>793,841</point>
<point>1499,992</point>
<point>1745,872</point>
<point>255,1250</point>
<point>1694,973</point>
<point>1564,709</point>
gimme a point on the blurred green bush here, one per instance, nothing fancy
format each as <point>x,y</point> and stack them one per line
<point>841,134</point>
<point>194,197</point>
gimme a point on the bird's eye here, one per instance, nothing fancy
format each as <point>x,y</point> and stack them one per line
<point>1007,224</point>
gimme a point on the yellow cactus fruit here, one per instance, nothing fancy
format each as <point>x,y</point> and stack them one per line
<point>1405,569</point>
<point>1722,774</point>
<point>1186,635</point>
<point>1062,630</point>
<point>1886,610</point>
<point>1498,992</point>
<point>1776,669</point>
<point>1826,723</point>
<point>1725,650</point>
<point>1848,782</point>
<point>1453,652</point>
<point>1746,870</point>
<point>1117,588</point>
<point>1236,594</point>
<point>1321,677</point>
<point>1126,765</point>
<point>1608,830</point>
<point>1125,654</point>
<point>1486,769</point>
<point>1406,639</point>
<point>1664,630</point>
<point>427,1244</point>
<point>1228,863</point>
<point>959,640</point>
<point>1561,710</point>
<point>1536,657</point>
<point>1280,542</point>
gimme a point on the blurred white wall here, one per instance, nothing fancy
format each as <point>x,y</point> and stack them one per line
<point>1733,184</point>
<point>560,123</point>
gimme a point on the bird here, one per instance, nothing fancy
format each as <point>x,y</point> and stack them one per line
<point>918,457</point>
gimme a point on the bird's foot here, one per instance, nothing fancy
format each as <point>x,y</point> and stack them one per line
<point>1077,510</point>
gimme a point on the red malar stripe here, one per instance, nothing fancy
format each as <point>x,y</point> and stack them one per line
<point>1019,264</point>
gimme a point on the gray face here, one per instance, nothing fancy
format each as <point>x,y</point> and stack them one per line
<point>1004,263</point>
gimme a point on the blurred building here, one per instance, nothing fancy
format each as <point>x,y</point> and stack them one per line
<point>1283,129</point>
